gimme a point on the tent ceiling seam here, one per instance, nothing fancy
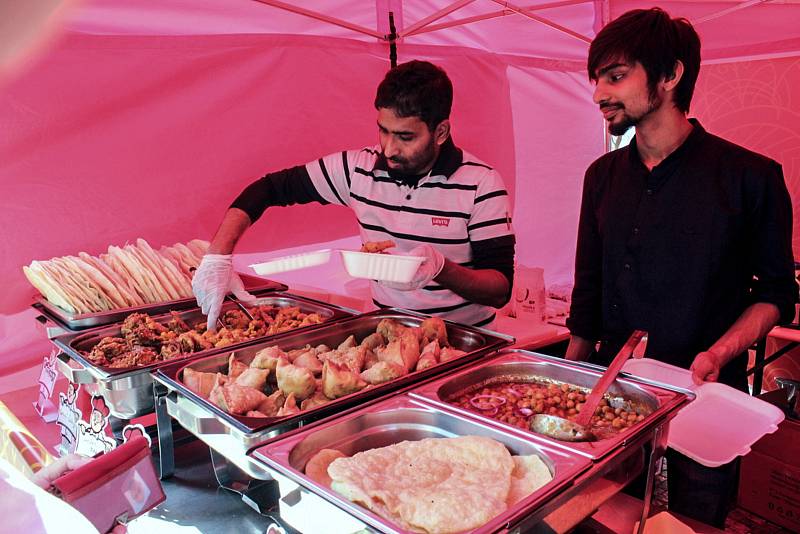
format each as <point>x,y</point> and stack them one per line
<point>320,16</point>
<point>547,22</point>
<point>422,23</point>
<point>496,14</point>
<point>733,9</point>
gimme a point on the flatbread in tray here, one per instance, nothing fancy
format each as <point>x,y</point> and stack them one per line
<point>128,276</point>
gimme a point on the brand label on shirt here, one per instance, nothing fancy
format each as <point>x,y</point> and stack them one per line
<point>440,221</point>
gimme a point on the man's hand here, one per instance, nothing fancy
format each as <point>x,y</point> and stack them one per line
<point>45,476</point>
<point>706,367</point>
<point>428,270</point>
<point>213,279</point>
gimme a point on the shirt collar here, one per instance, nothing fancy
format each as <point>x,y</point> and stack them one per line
<point>697,133</point>
<point>450,159</point>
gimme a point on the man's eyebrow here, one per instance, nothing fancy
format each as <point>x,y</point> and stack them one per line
<point>395,132</point>
<point>612,66</point>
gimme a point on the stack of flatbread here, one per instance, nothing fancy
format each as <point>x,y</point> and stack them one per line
<point>434,485</point>
<point>131,275</point>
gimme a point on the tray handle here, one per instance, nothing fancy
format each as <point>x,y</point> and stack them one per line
<point>76,376</point>
<point>193,419</point>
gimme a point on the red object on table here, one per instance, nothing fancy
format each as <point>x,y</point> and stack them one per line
<point>115,487</point>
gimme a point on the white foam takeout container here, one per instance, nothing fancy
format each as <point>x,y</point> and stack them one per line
<point>386,267</point>
<point>720,424</point>
<point>293,262</point>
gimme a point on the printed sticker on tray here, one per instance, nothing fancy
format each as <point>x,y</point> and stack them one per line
<point>92,436</point>
<point>68,416</point>
<point>47,380</point>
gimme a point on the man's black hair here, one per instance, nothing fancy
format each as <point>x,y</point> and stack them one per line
<point>417,89</point>
<point>656,41</point>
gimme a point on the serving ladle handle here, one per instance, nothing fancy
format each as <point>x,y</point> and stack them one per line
<point>607,378</point>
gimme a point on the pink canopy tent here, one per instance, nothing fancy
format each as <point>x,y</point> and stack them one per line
<point>145,119</point>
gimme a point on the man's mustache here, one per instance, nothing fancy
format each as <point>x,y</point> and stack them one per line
<point>605,107</point>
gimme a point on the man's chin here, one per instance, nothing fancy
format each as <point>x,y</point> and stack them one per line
<point>619,128</point>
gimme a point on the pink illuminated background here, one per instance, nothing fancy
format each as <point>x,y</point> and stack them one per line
<point>145,119</point>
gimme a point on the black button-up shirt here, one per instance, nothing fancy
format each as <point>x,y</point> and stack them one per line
<point>682,250</point>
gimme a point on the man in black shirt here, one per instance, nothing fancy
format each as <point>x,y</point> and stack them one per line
<point>682,234</point>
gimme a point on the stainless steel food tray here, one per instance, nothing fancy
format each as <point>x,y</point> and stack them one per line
<point>128,391</point>
<point>384,423</point>
<point>77,321</point>
<point>232,435</point>
<point>516,363</point>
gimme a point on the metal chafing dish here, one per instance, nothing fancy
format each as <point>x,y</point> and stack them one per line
<point>232,436</point>
<point>58,321</point>
<point>612,466</point>
<point>384,423</point>
<point>129,392</point>
<point>514,364</point>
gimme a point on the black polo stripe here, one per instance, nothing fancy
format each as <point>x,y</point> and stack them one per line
<point>493,194</point>
<point>387,180</point>
<point>475,164</point>
<point>359,170</point>
<point>346,168</point>
<point>443,309</point>
<point>434,288</point>
<point>408,209</point>
<point>491,222</point>
<point>485,321</point>
<point>328,179</point>
<point>370,151</point>
<point>440,185</point>
<point>412,237</point>
<point>428,311</point>
<point>380,304</point>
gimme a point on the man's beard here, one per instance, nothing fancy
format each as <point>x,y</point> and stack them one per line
<point>414,166</point>
<point>619,128</point>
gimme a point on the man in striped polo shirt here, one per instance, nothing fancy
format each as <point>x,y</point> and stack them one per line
<point>415,188</point>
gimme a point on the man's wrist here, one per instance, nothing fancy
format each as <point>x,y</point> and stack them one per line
<point>220,248</point>
<point>720,355</point>
<point>443,272</point>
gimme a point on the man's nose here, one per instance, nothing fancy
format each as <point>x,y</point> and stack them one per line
<point>389,148</point>
<point>599,95</point>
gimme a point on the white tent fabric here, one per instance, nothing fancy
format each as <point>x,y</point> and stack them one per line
<point>146,118</point>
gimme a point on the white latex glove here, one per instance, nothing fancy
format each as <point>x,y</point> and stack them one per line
<point>213,280</point>
<point>428,270</point>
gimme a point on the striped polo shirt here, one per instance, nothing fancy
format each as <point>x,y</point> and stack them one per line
<point>460,201</point>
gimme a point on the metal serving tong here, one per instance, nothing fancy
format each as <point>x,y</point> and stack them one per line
<point>240,305</point>
<point>578,430</point>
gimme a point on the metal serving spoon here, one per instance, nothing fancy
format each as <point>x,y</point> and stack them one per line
<point>578,430</point>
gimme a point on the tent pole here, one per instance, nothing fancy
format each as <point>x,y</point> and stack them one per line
<point>392,41</point>
<point>319,16</point>
<point>600,21</point>
<point>542,20</point>
<point>724,12</point>
<point>496,14</point>
<point>455,6</point>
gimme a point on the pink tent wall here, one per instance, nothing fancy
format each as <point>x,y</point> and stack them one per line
<point>146,120</point>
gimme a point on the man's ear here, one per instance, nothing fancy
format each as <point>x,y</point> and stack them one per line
<point>442,132</point>
<point>671,81</point>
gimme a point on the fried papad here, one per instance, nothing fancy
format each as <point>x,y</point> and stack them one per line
<point>435,485</point>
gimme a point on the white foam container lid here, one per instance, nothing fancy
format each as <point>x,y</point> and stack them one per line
<point>720,424</point>
<point>386,267</point>
<point>293,262</point>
